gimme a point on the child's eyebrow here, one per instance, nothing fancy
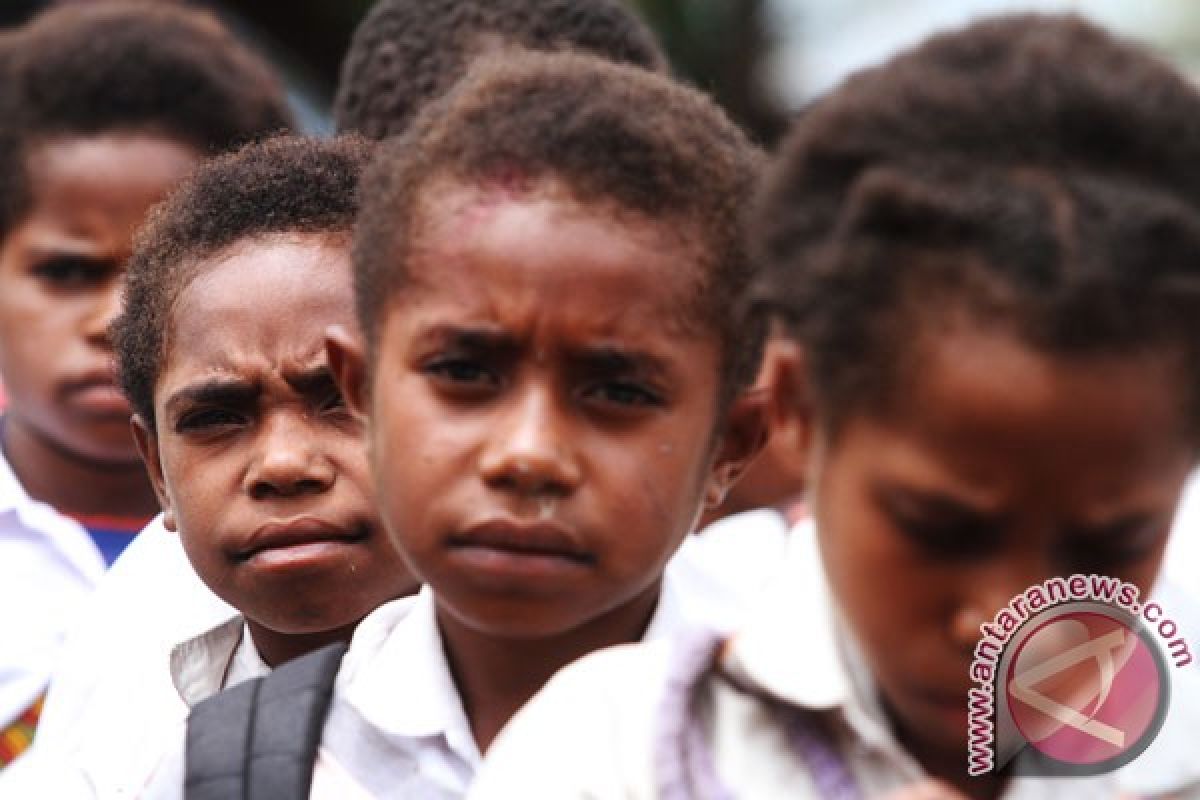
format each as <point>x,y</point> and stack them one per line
<point>82,253</point>
<point>1127,525</point>
<point>612,359</point>
<point>473,339</point>
<point>216,391</point>
<point>935,503</point>
<point>315,380</point>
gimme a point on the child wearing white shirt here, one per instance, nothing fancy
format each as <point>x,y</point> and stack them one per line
<point>540,348</point>
<point>997,315</point>
<point>81,164</point>
<point>260,467</point>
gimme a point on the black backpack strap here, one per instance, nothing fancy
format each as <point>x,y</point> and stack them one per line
<point>258,740</point>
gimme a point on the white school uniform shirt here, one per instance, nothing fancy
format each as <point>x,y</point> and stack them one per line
<point>119,693</point>
<point>410,737</point>
<point>200,667</point>
<point>396,726</point>
<point>48,567</point>
<point>592,731</point>
<point>1179,584</point>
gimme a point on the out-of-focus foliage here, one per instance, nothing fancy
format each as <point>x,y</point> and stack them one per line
<point>715,44</point>
<point>720,45</point>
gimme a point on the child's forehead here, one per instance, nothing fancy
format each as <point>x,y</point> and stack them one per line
<point>451,209</point>
<point>499,256</point>
<point>270,261</point>
<point>265,279</point>
<point>982,407</point>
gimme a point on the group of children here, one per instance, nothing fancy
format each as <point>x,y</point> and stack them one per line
<point>457,400</point>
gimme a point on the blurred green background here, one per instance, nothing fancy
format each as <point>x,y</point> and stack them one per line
<point>761,59</point>
<point>714,43</point>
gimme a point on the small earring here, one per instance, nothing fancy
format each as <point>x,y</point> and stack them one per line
<point>715,495</point>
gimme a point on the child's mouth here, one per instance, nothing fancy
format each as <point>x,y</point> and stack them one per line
<point>297,542</point>
<point>99,396</point>
<point>506,547</point>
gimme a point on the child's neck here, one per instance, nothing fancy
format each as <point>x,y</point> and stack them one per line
<point>496,676</point>
<point>72,484</point>
<point>276,648</point>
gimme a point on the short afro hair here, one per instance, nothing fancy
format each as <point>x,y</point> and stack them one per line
<point>288,184</point>
<point>613,135</point>
<point>407,52</point>
<point>1029,171</point>
<point>94,68</point>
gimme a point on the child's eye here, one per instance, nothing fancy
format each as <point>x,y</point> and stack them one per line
<point>950,541</point>
<point>71,273</point>
<point>207,420</point>
<point>623,393</point>
<point>462,372</point>
<point>333,401</point>
<point>1121,545</point>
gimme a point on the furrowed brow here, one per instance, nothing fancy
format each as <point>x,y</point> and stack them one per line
<point>214,392</point>
<point>317,380</point>
<point>481,340</point>
<point>610,359</point>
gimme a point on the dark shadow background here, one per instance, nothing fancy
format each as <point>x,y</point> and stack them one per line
<point>714,44</point>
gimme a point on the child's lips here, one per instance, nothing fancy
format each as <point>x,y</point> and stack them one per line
<point>98,395</point>
<point>506,548</point>
<point>522,538</point>
<point>297,541</point>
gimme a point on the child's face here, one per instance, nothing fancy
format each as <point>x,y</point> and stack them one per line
<point>998,468</point>
<point>61,271</point>
<point>542,412</point>
<point>260,467</point>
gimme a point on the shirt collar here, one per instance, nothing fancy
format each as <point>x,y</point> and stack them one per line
<point>818,666</point>
<point>807,667</point>
<point>398,680</point>
<point>199,664</point>
<point>67,537</point>
<point>12,493</point>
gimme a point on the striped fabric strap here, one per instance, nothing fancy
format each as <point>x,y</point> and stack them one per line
<point>16,738</point>
<point>684,763</point>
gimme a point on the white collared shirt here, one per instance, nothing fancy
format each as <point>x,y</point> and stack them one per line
<point>48,567</point>
<point>396,726</point>
<point>592,731</point>
<point>115,702</point>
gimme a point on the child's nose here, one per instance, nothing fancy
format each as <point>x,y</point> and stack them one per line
<point>103,313</point>
<point>529,450</point>
<point>989,589</point>
<point>287,462</point>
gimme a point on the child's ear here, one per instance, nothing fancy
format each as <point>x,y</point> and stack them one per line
<point>147,445</point>
<point>746,428</point>
<point>348,363</point>
<point>790,410</point>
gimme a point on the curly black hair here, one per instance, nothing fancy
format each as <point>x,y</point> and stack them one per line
<point>288,184</point>
<point>406,52</point>
<point>93,68</point>
<point>1031,171</point>
<point>621,137</point>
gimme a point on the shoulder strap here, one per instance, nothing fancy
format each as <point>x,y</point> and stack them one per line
<point>683,765</point>
<point>258,740</point>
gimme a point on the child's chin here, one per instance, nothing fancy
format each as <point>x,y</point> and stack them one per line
<point>108,443</point>
<point>514,618</point>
